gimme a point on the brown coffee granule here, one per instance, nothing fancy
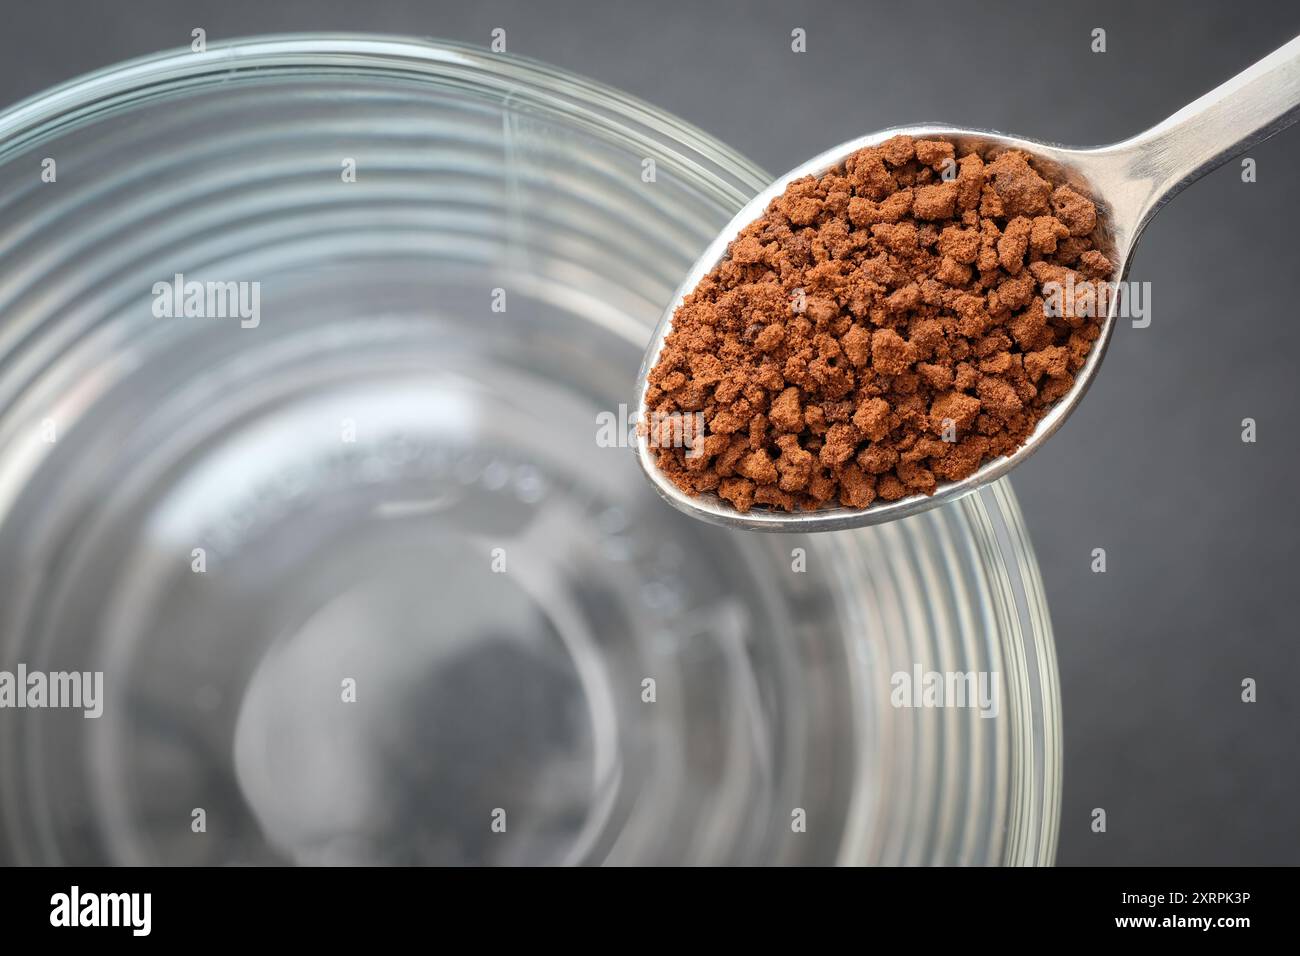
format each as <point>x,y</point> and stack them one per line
<point>882,328</point>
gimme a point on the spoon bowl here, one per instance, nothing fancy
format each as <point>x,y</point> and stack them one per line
<point>1128,181</point>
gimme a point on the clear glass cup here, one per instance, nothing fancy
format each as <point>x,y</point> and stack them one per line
<point>369,570</point>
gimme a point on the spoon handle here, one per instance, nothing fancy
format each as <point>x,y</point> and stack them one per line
<point>1159,163</point>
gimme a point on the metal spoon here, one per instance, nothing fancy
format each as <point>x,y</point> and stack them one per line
<point>1129,181</point>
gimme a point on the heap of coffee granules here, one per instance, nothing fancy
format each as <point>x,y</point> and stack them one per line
<point>880,329</point>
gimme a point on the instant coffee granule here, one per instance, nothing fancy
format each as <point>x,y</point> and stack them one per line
<point>882,328</point>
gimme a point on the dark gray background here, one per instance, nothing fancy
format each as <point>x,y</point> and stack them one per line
<point>1200,529</point>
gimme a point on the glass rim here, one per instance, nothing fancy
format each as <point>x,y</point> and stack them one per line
<point>91,95</point>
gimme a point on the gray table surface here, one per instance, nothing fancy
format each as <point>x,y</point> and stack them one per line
<point>1200,529</point>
